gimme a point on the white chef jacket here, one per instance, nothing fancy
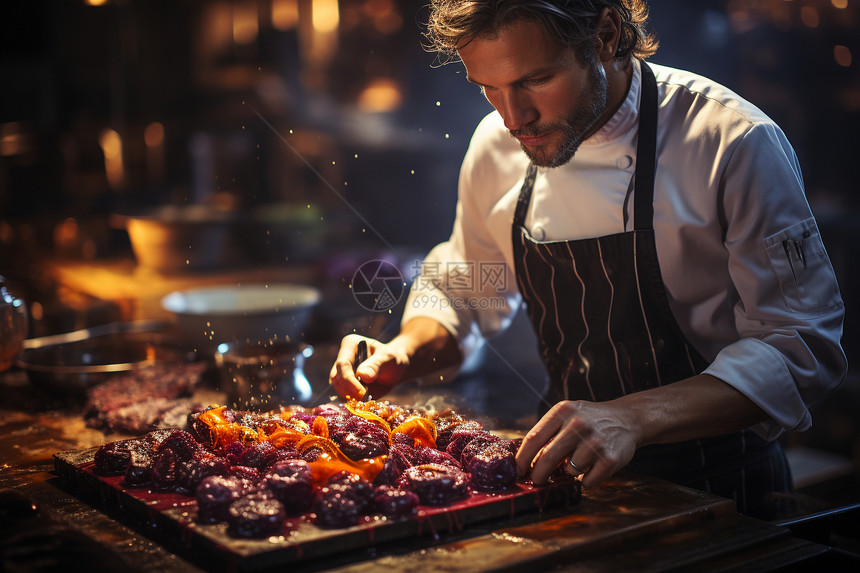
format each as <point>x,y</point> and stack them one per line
<point>746,273</point>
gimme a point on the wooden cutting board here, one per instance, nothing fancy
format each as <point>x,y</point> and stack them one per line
<point>172,517</point>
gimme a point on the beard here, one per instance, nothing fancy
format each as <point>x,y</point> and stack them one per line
<point>575,127</point>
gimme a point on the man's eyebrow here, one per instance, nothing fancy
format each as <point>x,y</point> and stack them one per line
<point>528,76</point>
<point>471,81</point>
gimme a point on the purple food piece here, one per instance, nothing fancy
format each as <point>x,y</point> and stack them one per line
<point>182,444</point>
<point>395,502</point>
<point>292,468</point>
<point>165,470</point>
<point>407,452</point>
<point>336,506</point>
<point>476,446</point>
<point>360,439</point>
<point>435,484</point>
<point>249,474</point>
<point>195,471</point>
<point>291,482</point>
<point>427,455</point>
<point>446,422</point>
<point>445,430</point>
<point>233,452</point>
<point>514,445</point>
<point>335,419</point>
<point>215,494</point>
<point>296,494</point>
<point>285,453</point>
<point>344,501</point>
<point>139,470</point>
<point>258,455</point>
<point>356,446</point>
<point>255,516</point>
<point>401,439</point>
<point>357,486</point>
<point>114,458</point>
<point>460,438</point>
<point>399,458</point>
<point>493,467</point>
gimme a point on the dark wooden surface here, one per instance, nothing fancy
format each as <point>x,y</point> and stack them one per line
<point>630,523</point>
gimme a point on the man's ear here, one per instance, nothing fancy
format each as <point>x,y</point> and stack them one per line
<point>608,34</point>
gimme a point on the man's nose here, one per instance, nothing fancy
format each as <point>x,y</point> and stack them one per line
<point>517,111</point>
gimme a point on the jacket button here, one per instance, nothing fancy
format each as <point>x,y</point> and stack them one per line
<point>624,162</point>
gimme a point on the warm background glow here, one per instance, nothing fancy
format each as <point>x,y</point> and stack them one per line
<point>381,95</point>
<point>245,23</point>
<point>325,16</point>
<point>285,14</point>
<point>111,145</point>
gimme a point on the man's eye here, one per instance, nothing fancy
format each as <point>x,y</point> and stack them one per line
<point>536,81</point>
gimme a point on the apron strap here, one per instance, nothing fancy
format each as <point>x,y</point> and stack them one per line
<point>524,198</point>
<point>646,153</point>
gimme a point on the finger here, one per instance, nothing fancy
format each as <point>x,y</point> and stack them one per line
<point>598,473</point>
<point>605,462</point>
<point>342,376</point>
<point>558,450</point>
<point>348,348</point>
<point>376,372</point>
<point>368,371</point>
<point>545,465</point>
<point>536,439</point>
<point>344,382</point>
<point>572,468</point>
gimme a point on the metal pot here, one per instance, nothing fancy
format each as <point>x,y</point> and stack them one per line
<point>68,364</point>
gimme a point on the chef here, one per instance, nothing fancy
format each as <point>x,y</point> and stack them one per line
<point>654,226</point>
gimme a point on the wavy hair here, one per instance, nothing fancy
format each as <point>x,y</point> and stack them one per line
<point>454,23</point>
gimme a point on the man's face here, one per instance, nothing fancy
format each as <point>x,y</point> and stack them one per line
<point>549,100</point>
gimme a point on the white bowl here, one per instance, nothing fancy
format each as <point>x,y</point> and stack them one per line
<point>252,313</point>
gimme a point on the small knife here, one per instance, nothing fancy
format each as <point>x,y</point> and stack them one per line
<point>361,356</point>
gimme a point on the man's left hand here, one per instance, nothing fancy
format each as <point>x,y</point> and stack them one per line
<point>600,438</point>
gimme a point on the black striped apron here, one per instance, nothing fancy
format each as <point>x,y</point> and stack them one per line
<point>605,329</point>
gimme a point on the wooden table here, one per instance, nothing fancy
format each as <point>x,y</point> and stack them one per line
<point>630,523</point>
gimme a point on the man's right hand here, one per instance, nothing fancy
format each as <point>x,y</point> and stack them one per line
<point>423,346</point>
<point>384,368</point>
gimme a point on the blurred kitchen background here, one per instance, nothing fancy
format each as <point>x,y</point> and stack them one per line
<point>293,140</point>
